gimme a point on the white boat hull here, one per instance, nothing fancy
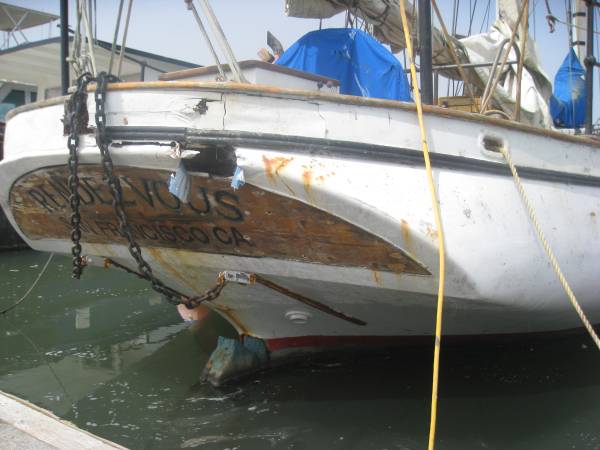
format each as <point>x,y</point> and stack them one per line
<point>349,165</point>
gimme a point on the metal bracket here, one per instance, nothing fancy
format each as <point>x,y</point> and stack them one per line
<point>239,277</point>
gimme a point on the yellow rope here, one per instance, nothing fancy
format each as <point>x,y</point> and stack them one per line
<point>546,245</point>
<point>438,223</point>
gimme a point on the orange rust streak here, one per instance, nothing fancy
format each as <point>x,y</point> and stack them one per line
<point>376,275</point>
<point>306,180</point>
<point>432,233</point>
<point>156,253</point>
<point>274,165</point>
<point>230,315</point>
<point>406,237</point>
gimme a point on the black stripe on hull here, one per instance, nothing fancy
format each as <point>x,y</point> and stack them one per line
<point>191,138</point>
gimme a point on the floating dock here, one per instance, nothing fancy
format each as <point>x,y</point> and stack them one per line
<point>26,426</point>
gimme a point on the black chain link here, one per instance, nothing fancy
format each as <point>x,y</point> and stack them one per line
<point>75,108</point>
<point>189,302</point>
<point>78,99</point>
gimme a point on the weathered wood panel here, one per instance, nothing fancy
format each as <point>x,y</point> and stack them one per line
<point>249,222</point>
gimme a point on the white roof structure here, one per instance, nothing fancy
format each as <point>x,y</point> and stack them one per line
<point>11,16</point>
<point>14,19</point>
<point>38,64</point>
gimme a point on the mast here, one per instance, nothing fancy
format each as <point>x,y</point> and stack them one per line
<point>425,53</point>
<point>64,45</point>
<point>578,29</point>
<point>590,63</point>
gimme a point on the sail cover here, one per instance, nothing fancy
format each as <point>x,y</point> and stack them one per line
<point>567,105</point>
<point>384,18</point>
<point>360,63</point>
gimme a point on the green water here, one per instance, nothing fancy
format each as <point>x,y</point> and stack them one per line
<point>108,354</point>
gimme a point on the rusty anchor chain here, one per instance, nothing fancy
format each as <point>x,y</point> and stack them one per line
<point>190,302</point>
<point>76,106</point>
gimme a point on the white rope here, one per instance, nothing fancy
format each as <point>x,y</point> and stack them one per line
<point>548,249</point>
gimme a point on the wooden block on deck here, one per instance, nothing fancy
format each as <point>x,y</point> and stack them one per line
<point>461,103</point>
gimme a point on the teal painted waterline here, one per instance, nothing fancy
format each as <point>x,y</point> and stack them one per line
<point>110,355</point>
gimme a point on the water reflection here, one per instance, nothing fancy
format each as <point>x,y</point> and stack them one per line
<point>108,354</point>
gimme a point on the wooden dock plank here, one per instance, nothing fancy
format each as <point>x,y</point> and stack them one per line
<point>27,426</point>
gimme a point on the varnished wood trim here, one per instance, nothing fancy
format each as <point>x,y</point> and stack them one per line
<point>248,64</point>
<point>271,91</point>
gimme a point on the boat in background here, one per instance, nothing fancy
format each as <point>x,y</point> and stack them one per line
<point>31,71</point>
<point>301,215</point>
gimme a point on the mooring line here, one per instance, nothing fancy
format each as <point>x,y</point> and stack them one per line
<point>438,223</point>
<point>14,305</point>
<point>43,358</point>
<point>28,339</point>
<point>542,238</point>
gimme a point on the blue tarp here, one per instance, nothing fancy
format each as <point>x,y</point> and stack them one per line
<point>362,65</point>
<point>567,105</point>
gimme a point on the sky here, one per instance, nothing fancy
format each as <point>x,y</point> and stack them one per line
<point>167,28</point>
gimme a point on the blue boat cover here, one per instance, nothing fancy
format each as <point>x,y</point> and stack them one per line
<point>567,105</point>
<point>362,65</point>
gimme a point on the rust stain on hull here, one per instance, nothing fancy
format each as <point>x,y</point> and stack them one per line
<point>431,232</point>
<point>229,314</point>
<point>215,219</point>
<point>306,182</point>
<point>376,274</point>
<point>406,237</point>
<point>157,254</point>
<point>272,168</point>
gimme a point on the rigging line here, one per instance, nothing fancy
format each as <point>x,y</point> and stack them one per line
<point>209,44</point>
<point>114,42</point>
<point>95,22</point>
<point>440,234</point>
<point>485,14</point>
<point>470,12</point>
<point>452,51</point>
<point>568,10</point>
<point>525,34</point>
<point>563,22</point>
<point>124,41</point>
<point>534,21</point>
<point>91,13</point>
<point>550,18</point>
<point>14,305</point>
<point>496,77</point>
<point>89,37</point>
<point>43,358</point>
<point>472,17</point>
<point>455,16</point>
<point>597,48</point>
<point>568,15</point>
